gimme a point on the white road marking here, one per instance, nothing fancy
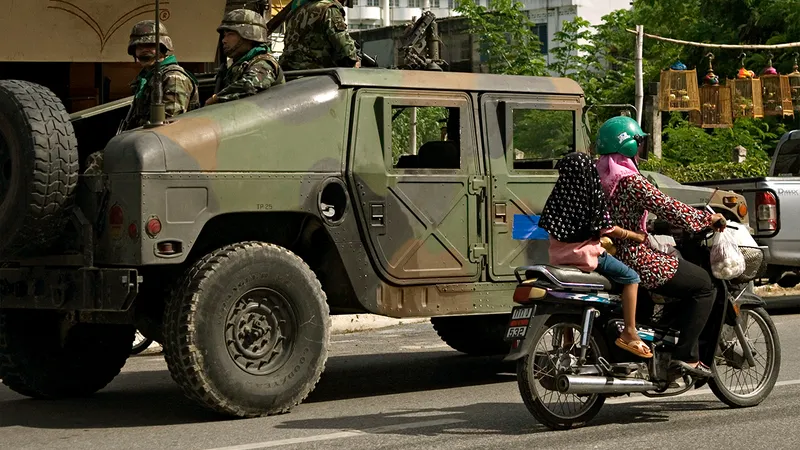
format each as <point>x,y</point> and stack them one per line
<point>342,434</point>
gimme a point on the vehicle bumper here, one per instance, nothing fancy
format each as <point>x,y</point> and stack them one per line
<point>85,289</point>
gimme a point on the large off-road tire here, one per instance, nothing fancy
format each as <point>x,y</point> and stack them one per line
<point>38,360</point>
<point>38,167</point>
<point>247,331</point>
<point>477,335</point>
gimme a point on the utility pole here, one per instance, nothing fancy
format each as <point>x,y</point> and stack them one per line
<point>639,99</point>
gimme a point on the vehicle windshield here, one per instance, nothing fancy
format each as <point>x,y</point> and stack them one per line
<point>787,162</point>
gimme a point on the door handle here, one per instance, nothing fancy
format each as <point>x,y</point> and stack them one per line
<point>377,214</point>
<point>500,213</point>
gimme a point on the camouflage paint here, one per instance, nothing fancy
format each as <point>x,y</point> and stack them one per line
<point>275,151</point>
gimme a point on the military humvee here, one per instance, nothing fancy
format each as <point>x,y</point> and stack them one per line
<point>233,233</point>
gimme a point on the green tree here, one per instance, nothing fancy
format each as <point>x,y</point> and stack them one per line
<point>506,37</point>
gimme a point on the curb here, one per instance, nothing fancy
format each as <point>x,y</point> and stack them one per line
<point>340,324</point>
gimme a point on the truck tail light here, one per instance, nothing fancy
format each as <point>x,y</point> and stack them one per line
<point>153,227</point>
<point>116,216</point>
<point>766,211</point>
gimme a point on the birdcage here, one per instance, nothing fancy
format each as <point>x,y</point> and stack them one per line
<point>715,102</point>
<point>679,90</point>
<point>746,98</point>
<point>794,85</point>
<point>777,96</point>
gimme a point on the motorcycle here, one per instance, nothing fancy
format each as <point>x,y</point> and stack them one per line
<point>563,331</point>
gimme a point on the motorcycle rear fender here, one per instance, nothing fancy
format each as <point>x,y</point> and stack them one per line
<point>526,346</point>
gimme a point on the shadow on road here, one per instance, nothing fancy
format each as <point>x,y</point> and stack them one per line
<point>151,398</point>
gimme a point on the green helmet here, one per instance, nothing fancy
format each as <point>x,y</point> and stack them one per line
<point>619,135</point>
<point>249,24</point>
<point>144,32</point>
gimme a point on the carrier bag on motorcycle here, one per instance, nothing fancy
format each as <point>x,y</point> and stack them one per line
<point>727,260</point>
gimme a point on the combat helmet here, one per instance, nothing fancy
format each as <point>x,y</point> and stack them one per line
<point>144,32</point>
<point>619,135</point>
<point>249,24</point>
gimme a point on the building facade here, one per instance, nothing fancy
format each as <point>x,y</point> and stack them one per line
<point>547,15</point>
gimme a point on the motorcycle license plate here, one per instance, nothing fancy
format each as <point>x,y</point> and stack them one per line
<point>518,325</point>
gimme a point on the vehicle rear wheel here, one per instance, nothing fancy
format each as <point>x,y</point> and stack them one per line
<point>247,331</point>
<point>476,335</point>
<point>552,353</point>
<point>40,358</point>
<point>38,167</point>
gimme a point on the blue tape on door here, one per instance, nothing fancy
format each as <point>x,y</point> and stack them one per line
<point>526,227</point>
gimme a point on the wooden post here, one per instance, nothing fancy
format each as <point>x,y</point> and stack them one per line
<point>639,99</point>
<point>654,115</point>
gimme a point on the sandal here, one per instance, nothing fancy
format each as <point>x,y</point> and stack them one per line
<point>700,370</point>
<point>637,347</point>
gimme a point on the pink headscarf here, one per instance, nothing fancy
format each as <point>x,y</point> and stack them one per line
<point>613,168</point>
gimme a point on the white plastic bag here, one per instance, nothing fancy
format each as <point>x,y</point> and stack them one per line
<point>727,261</point>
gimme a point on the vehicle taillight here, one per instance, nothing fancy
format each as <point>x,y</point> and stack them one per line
<point>133,230</point>
<point>766,211</point>
<point>153,226</point>
<point>527,293</point>
<point>116,216</point>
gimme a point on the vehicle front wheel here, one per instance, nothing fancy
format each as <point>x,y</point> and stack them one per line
<point>247,330</point>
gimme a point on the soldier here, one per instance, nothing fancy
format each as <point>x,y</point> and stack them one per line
<point>244,38</point>
<point>316,37</point>
<point>179,87</point>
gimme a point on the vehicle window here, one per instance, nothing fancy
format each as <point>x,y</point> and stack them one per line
<point>787,162</point>
<point>425,137</point>
<point>541,137</point>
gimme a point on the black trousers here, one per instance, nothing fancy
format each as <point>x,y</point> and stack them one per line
<point>692,285</point>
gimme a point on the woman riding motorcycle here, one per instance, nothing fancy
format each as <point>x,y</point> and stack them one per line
<point>631,196</point>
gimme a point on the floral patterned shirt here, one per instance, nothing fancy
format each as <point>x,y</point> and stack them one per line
<point>633,196</point>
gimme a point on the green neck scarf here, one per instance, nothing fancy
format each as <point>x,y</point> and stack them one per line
<point>298,3</point>
<point>146,74</point>
<point>255,51</point>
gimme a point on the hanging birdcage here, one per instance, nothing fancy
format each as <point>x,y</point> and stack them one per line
<point>794,85</point>
<point>715,102</point>
<point>777,96</point>
<point>746,98</point>
<point>679,90</point>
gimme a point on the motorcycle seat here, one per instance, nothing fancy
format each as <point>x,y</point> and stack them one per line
<point>568,277</point>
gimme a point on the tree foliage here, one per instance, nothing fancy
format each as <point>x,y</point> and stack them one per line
<point>600,59</point>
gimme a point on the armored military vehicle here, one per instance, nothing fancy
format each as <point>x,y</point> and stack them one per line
<point>232,234</point>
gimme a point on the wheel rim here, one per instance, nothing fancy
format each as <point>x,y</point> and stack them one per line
<point>733,374</point>
<point>5,168</point>
<point>260,331</point>
<point>551,352</point>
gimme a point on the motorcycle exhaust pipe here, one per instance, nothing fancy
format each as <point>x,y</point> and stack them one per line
<point>580,384</point>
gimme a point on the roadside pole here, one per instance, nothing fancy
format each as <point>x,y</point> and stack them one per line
<point>639,99</point>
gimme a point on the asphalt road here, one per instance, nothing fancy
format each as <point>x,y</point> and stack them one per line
<point>400,388</point>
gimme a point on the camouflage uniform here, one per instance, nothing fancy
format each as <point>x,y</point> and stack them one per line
<point>179,87</point>
<point>316,37</point>
<point>257,70</point>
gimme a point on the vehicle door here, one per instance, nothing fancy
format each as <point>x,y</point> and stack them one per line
<point>414,163</point>
<point>524,137</point>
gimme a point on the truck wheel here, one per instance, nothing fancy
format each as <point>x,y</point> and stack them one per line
<point>247,330</point>
<point>478,335</point>
<point>38,360</point>
<point>38,166</point>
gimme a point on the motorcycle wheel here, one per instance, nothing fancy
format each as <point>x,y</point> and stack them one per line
<point>140,343</point>
<point>536,376</point>
<point>736,383</point>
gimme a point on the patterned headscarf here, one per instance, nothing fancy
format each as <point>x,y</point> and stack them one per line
<point>577,209</point>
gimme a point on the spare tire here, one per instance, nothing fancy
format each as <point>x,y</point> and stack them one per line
<point>38,167</point>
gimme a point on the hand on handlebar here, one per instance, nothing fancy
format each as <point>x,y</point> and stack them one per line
<point>718,222</point>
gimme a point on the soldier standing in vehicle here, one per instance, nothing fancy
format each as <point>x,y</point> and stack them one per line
<point>316,36</point>
<point>179,87</point>
<point>244,40</point>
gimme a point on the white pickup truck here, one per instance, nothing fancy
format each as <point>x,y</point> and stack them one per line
<point>775,214</point>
